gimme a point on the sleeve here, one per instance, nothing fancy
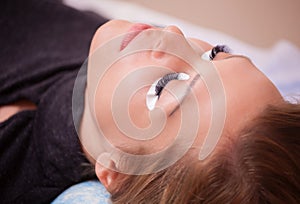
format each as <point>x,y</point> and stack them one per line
<point>40,41</point>
<point>43,45</point>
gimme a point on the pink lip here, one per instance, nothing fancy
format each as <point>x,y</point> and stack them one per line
<point>132,33</point>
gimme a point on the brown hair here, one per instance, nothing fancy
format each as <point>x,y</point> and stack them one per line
<point>261,166</point>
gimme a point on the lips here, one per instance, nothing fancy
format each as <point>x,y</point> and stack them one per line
<point>132,33</point>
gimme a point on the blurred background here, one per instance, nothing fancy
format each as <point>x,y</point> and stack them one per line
<point>258,22</point>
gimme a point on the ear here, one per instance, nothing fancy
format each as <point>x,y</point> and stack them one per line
<point>107,176</point>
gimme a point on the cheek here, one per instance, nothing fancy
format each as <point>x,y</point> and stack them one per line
<point>138,113</point>
<point>205,111</point>
<point>140,117</point>
<point>138,110</point>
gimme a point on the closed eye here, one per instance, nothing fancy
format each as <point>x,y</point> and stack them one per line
<point>211,54</point>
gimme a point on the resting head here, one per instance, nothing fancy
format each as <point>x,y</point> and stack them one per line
<point>248,145</point>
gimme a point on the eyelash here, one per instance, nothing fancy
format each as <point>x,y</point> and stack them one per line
<point>211,54</point>
<point>163,82</point>
<point>166,79</point>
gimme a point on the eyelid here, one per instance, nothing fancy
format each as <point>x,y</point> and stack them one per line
<point>239,56</point>
<point>211,54</point>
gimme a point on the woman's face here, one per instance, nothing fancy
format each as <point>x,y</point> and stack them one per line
<point>247,90</point>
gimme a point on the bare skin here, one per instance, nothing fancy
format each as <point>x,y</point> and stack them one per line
<point>9,110</point>
<point>248,91</point>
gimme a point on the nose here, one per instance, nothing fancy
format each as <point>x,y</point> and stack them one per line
<point>174,29</point>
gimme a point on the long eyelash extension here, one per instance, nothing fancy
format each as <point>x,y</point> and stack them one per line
<point>166,79</point>
<point>163,82</point>
<point>217,49</point>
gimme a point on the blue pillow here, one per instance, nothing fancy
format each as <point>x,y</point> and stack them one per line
<point>92,192</point>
